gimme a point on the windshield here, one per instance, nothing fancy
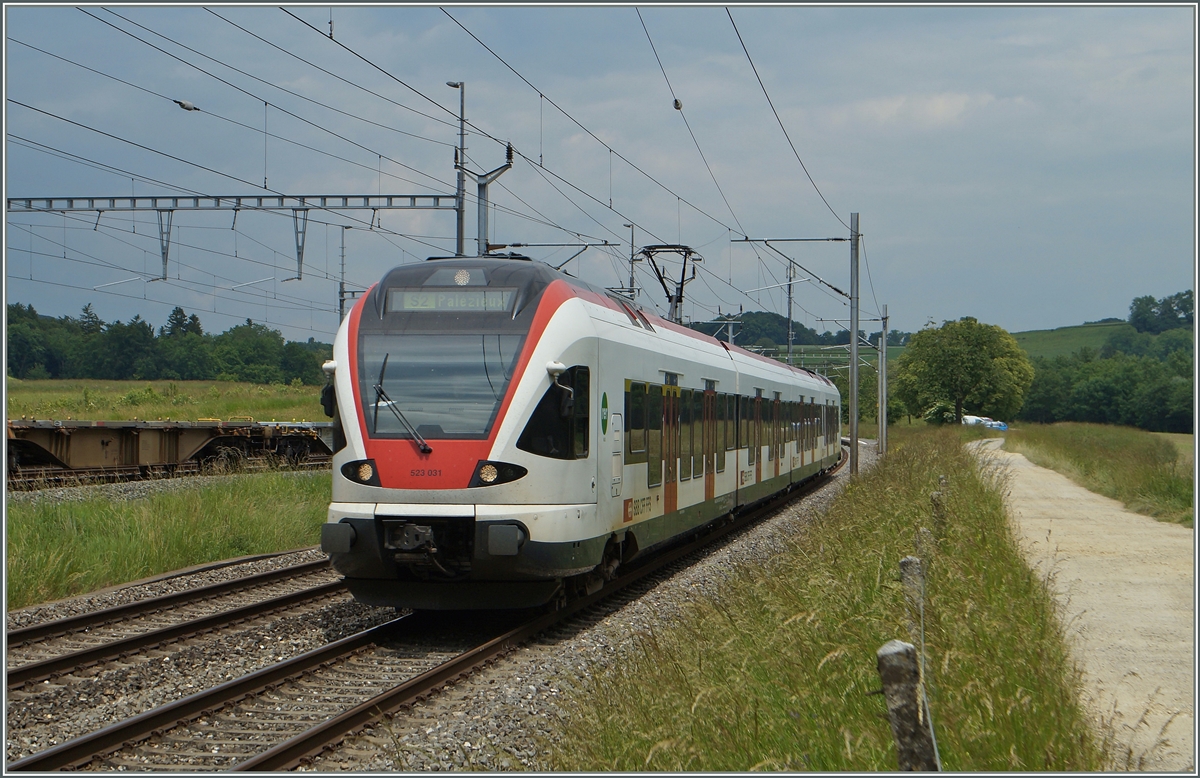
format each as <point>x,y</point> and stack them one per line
<point>446,385</point>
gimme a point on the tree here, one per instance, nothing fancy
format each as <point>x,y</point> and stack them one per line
<point>1154,316</point>
<point>300,362</point>
<point>26,349</point>
<point>964,363</point>
<point>249,352</point>
<point>89,321</point>
<point>124,351</point>
<point>176,324</point>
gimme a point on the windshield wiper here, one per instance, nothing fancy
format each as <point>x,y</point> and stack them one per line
<point>382,395</point>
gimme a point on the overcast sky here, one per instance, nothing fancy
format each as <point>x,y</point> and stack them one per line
<point>1033,167</point>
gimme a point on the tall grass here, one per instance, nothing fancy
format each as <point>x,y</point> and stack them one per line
<point>1142,469</point>
<point>778,671</point>
<point>176,400</point>
<point>58,549</point>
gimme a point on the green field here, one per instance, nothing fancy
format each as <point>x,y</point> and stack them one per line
<point>60,549</point>
<point>96,400</point>
<point>777,670</point>
<point>1151,472</point>
<point>1064,341</point>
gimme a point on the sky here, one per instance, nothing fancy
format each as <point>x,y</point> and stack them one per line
<point>1033,167</point>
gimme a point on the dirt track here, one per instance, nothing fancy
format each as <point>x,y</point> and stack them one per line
<point>1126,586</point>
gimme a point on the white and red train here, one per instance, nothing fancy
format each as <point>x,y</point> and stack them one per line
<point>508,434</point>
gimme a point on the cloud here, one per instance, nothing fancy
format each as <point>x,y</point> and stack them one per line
<point>912,112</point>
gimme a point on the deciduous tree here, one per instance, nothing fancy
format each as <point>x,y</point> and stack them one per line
<point>967,364</point>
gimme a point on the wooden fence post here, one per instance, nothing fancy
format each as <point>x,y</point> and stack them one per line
<point>911,577</point>
<point>939,513</point>
<point>925,543</point>
<point>901,676</point>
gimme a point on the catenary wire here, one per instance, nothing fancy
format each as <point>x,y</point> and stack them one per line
<point>184,190</point>
<point>577,123</point>
<point>870,282</point>
<point>179,263</point>
<point>221,117</point>
<point>488,135</point>
<point>679,107</point>
<point>335,75</point>
<point>512,212</point>
<point>245,91</point>
<point>778,119</point>
<point>194,164</point>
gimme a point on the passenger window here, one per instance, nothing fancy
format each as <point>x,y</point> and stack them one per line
<point>635,423</point>
<point>558,427</point>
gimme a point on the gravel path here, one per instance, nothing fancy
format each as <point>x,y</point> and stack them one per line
<point>1126,586</point>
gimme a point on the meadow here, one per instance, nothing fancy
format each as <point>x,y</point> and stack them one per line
<point>60,549</point>
<point>1151,472</point>
<point>98,400</point>
<point>1064,341</point>
<point>778,672</point>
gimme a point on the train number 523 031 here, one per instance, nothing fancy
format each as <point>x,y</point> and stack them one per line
<point>423,473</point>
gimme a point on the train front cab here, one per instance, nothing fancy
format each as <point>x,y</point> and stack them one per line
<point>498,516</point>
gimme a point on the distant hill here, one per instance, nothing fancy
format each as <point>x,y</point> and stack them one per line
<point>1064,341</point>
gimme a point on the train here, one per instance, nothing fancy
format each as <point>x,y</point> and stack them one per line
<point>508,435</point>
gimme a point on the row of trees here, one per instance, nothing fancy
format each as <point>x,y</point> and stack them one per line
<point>1173,312</point>
<point>1142,377</point>
<point>767,330</point>
<point>1138,391</point>
<point>85,347</point>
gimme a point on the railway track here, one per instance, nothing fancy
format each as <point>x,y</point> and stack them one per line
<point>33,478</point>
<point>283,715</point>
<point>55,648</point>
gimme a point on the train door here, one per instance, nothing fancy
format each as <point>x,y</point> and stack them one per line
<point>670,444</point>
<point>618,452</point>
<point>756,436</point>
<point>710,439</point>
<point>776,432</point>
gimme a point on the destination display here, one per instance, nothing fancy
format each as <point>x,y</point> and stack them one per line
<point>450,300</point>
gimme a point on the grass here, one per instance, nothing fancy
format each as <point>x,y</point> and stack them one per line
<point>1065,341</point>
<point>778,670</point>
<point>174,400</point>
<point>60,549</point>
<point>1152,473</point>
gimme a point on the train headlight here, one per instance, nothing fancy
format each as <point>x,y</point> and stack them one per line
<point>362,471</point>
<point>493,473</point>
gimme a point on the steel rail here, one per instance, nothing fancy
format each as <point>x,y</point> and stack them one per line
<point>303,747</point>
<point>58,627</point>
<point>47,668</point>
<point>81,750</point>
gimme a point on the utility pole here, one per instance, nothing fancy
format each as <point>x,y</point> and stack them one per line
<point>460,159</point>
<point>791,272</point>
<point>342,282</point>
<point>854,344</point>
<point>883,384</point>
